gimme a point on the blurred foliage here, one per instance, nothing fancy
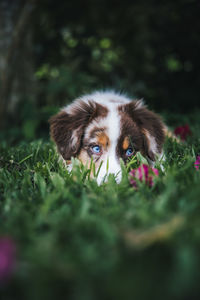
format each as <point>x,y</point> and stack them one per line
<point>147,49</point>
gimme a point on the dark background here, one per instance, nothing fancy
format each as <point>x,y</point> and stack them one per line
<point>53,51</point>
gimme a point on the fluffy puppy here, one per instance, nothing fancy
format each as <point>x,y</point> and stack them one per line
<point>107,126</point>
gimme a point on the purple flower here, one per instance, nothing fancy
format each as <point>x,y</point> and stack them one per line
<point>144,174</point>
<point>197,163</point>
<point>7,257</point>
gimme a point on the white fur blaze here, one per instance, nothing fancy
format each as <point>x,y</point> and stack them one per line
<point>111,164</point>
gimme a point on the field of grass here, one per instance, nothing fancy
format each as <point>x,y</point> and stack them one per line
<point>77,240</point>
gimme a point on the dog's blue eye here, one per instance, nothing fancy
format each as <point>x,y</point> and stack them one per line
<point>96,149</point>
<point>129,152</point>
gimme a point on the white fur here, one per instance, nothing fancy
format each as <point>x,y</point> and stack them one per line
<point>105,98</point>
<point>110,160</point>
<point>112,122</point>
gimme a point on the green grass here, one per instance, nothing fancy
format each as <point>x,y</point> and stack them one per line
<point>77,240</point>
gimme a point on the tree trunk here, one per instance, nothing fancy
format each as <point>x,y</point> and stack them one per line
<point>16,59</point>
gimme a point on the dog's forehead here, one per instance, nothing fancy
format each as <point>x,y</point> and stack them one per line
<point>116,129</point>
<point>105,129</point>
<point>95,128</point>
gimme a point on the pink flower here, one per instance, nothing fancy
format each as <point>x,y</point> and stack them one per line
<point>7,257</point>
<point>143,173</point>
<point>197,163</point>
<point>183,131</point>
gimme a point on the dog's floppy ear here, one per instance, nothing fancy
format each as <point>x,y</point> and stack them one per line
<point>67,127</point>
<point>150,125</point>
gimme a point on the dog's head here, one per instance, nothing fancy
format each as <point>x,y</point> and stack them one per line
<point>106,131</point>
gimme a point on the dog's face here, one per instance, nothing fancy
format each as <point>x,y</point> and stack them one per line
<point>106,127</point>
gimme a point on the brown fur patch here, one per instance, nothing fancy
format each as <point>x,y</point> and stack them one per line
<point>146,134</point>
<point>96,131</point>
<point>103,140</point>
<point>143,121</point>
<point>147,148</point>
<point>64,125</point>
<point>130,130</point>
<point>125,144</point>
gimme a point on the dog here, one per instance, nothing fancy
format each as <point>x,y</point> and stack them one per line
<point>106,126</point>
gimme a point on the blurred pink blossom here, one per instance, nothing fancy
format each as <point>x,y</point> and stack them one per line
<point>197,163</point>
<point>183,131</point>
<point>143,173</point>
<point>7,257</point>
